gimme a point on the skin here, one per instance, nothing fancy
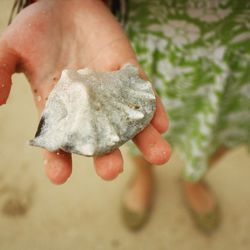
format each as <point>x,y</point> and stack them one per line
<point>52,35</point>
<point>139,195</point>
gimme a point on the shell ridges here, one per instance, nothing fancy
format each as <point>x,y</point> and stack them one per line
<point>92,113</point>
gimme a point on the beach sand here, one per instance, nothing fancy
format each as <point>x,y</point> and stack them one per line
<point>84,213</point>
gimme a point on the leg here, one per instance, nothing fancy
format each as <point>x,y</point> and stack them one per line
<point>201,200</point>
<point>139,195</point>
<point>221,151</point>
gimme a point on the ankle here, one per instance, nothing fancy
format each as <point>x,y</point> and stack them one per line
<point>199,196</point>
<point>140,192</point>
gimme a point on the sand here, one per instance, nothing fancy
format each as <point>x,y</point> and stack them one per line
<point>83,214</point>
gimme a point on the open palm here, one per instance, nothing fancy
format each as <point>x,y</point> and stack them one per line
<point>52,35</point>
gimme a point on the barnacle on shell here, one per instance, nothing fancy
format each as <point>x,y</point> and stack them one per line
<point>92,113</point>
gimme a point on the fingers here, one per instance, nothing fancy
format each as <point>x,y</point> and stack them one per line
<point>58,166</point>
<point>154,148</point>
<point>160,119</point>
<point>109,166</point>
<point>8,61</point>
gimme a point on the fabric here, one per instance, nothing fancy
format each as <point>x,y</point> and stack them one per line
<point>197,54</point>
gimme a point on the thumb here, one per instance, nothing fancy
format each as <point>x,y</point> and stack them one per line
<point>8,61</point>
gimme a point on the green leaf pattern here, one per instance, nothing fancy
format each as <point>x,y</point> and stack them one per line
<point>197,54</point>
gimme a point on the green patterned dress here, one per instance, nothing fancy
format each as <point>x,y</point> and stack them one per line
<point>197,54</point>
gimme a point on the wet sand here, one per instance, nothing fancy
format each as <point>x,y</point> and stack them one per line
<point>84,212</point>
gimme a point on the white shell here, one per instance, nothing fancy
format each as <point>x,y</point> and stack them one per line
<point>92,113</point>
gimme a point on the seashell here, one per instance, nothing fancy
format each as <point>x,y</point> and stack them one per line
<point>92,113</point>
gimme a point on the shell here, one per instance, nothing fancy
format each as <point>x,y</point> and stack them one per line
<point>92,113</point>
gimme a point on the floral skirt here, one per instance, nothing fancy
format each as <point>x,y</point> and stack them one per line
<point>197,55</point>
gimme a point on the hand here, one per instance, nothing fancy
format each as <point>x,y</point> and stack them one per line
<point>52,35</point>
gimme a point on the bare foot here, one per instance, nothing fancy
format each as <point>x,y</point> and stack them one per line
<point>202,205</point>
<point>199,197</point>
<point>139,195</point>
<point>138,198</point>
